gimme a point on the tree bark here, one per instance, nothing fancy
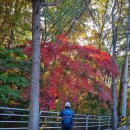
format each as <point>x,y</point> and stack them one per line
<point>120,92</point>
<point>34,99</point>
<point>114,41</point>
<point>114,111</point>
<point>125,76</point>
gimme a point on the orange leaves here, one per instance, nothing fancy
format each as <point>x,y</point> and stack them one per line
<point>62,38</point>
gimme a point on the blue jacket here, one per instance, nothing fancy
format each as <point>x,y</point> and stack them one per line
<point>67,112</point>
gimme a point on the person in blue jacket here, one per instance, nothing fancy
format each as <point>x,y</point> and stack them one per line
<point>67,117</point>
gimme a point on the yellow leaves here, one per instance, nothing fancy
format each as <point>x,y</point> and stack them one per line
<point>56,101</point>
<point>13,103</point>
<point>77,35</point>
<point>83,35</point>
<point>12,71</point>
<point>45,76</point>
<point>42,65</point>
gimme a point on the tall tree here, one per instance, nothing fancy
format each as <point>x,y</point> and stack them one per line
<point>114,41</point>
<point>34,100</point>
<point>125,76</point>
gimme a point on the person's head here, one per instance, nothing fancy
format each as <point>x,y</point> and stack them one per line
<point>67,105</point>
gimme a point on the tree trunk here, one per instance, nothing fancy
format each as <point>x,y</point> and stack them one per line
<point>114,41</point>
<point>120,92</point>
<point>125,76</point>
<point>114,112</point>
<point>34,101</point>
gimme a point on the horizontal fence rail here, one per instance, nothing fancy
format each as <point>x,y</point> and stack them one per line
<point>17,119</point>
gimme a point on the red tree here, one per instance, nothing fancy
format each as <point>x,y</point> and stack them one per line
<point>70,71</point>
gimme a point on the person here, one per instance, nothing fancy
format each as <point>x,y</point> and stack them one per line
<point>67,117</point>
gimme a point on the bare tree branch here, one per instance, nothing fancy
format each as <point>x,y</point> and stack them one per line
<point>76,19</point>
<point>97,26</point>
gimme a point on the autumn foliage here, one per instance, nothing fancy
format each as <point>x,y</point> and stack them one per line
<point>70,71</point>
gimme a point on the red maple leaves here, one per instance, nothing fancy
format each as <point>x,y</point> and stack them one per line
<point>72,71</point>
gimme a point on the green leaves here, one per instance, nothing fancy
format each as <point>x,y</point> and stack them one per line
<point>7,94</point>
<point>13,59</point>
<point>13,79</point>
<point>13,69</point>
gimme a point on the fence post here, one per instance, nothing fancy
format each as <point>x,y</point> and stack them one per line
<point>109,121</point>
<point>87,116</point>
<point>99,123</point>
